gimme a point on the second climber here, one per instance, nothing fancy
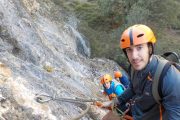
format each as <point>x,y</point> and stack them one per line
<point>112,88</point>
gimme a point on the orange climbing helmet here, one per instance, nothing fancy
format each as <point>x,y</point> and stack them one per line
<point>135,35</point>
<point>105,78</point>
<point>117,74</point>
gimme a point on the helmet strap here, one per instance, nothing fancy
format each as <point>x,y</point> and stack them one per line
<point>124,50</point>
<point>151,49</point>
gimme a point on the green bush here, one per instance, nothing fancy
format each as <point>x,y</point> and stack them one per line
<point>103,21</point>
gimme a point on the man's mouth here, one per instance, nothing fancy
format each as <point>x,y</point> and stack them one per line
<point>136,62</point>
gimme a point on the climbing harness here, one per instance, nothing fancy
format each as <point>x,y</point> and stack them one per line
<point>42,98</point>
<point>123,114</point>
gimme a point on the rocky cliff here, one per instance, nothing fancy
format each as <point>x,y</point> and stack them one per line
<point>41,52</point>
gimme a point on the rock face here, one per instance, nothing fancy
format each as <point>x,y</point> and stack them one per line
<point>41,52</point>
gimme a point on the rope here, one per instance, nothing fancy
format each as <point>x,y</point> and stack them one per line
<point>46,98</point>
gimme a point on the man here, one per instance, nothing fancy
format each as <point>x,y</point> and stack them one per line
<point>122,78</point>
<point>137,42</point>
<point>111,88</point>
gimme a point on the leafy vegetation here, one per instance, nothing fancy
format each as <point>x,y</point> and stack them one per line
<point>103,21</point>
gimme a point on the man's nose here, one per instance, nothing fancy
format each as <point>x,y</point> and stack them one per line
<point>134,54</point>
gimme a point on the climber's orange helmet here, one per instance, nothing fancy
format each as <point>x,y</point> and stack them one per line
<point>106,78</point>
<point>117,74</point>
<point>135,35</point>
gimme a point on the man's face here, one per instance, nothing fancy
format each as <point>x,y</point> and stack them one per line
<point>107,85</point>
<point>138,56</point>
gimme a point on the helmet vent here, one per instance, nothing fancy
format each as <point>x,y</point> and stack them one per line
<point>123,40</point>
<point>140,35</point>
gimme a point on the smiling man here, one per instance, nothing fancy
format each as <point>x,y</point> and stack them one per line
<point>138,56</point>
<point>137,42</point>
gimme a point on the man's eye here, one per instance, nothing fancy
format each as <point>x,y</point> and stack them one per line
<point>139,47</point>
<point>128,49</point>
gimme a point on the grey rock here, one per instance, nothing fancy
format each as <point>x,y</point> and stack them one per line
<point>41,53</point>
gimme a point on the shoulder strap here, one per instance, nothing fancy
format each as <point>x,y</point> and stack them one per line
<point>116,83</point>
<point>158,78</point>
<point>163,73</point>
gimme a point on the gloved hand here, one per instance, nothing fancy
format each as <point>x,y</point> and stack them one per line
<point>104,93</point>
<point>107,104</point>
<point>112,96</point>
<point>128,117</point>
<point>99,104</point>
<point>104,104</point>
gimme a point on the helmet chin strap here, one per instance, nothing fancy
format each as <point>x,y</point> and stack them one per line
<point>151,51</point>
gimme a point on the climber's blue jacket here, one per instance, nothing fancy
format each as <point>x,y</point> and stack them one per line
<point>115,88</point>
<point>144,106</point>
